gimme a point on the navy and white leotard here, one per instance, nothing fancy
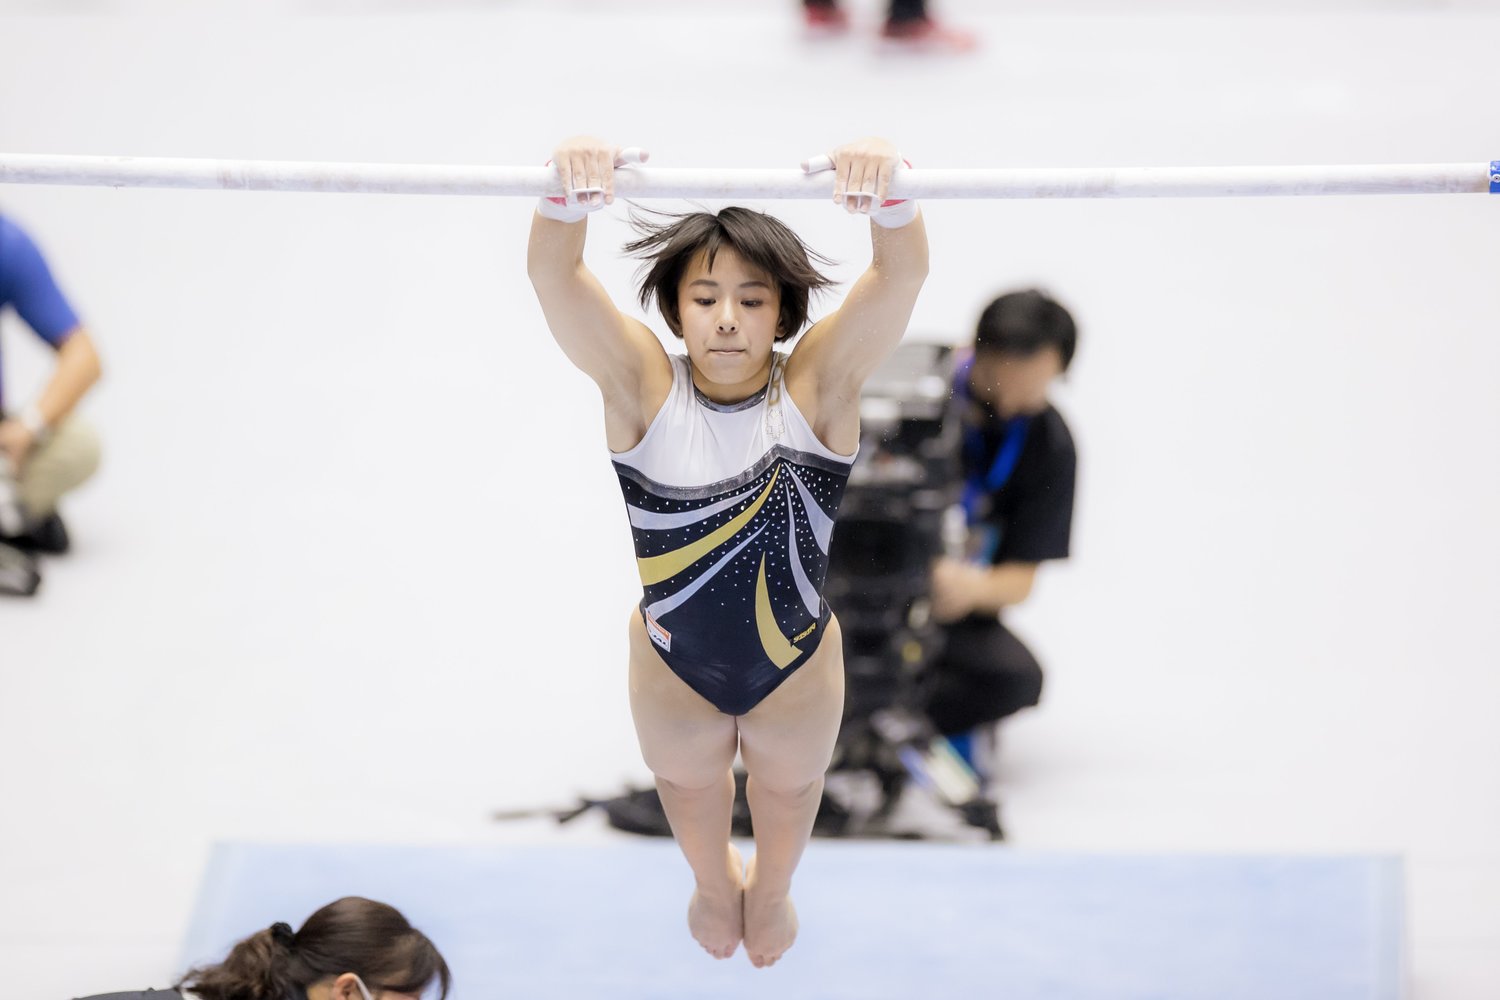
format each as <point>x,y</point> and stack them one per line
<point>732,508</point>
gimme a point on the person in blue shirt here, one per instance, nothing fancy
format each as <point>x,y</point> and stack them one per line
<point>44,450</point>
<point>1019,467</point>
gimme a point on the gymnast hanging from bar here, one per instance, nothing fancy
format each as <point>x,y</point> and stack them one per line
<point>732,457</point>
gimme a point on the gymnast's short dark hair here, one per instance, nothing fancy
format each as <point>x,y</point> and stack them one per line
<point>1023,323</point>
<point>353,934</point>
<point>669,242</point>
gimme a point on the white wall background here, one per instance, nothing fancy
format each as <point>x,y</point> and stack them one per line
<point>356,566</point>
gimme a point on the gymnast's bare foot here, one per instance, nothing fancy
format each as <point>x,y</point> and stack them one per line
<point>716,915</point>
<point>770,921</point>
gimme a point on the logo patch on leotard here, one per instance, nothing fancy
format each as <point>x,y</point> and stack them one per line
<point>658,635</point>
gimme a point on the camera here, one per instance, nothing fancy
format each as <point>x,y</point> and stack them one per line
<point>900,512</point>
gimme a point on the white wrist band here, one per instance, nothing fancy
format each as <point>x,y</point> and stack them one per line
<point>560,210</point>
<point>894,214</point>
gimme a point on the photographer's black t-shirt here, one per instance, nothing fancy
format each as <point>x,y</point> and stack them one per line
<point>1030,517</point>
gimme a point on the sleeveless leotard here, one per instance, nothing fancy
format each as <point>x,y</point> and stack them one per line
<point>732,507</point>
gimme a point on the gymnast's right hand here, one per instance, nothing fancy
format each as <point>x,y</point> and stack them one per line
<point>586,166</point>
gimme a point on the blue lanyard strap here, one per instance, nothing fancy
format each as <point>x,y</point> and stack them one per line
<point>1001,469</point>
<point>1006,456</point>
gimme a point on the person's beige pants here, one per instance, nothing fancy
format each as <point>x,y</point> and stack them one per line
<point>69,458</point>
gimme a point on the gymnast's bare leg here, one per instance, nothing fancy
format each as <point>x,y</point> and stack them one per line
<point>786,743</point>
<point>689,745</point>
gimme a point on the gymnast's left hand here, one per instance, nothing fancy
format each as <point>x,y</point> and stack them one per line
<point>862,173</point>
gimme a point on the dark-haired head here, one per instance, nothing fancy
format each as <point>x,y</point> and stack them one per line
<point>1025,340</point>
<point>670,244</point>
<point>350,937</point>
<point>1022,323</point>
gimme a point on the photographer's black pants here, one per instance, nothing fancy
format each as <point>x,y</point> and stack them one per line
<point>984,674</point>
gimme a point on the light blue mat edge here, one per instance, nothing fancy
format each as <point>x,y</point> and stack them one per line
<point>1387,872</point>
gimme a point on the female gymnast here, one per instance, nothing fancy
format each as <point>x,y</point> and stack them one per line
<point>732,458</point>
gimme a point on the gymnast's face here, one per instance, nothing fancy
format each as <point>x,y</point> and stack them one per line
<point>1014,384</point>
<point>729,316</point>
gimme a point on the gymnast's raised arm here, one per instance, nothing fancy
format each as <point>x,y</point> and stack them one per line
<point>829,365</point>
<point>619,353</point>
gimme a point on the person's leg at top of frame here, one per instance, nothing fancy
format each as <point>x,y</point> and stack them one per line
<point>908,27</point>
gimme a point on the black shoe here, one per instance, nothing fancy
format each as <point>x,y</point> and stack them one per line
<point>18,572</point>
<point>985,814</point>
<point>48,535</point>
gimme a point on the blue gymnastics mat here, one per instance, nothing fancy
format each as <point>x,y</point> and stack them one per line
<point>885,920</point>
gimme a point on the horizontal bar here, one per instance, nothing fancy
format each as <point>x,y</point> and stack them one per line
<point>661,182</point>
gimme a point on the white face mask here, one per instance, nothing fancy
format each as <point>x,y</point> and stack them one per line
<point>364,991</point>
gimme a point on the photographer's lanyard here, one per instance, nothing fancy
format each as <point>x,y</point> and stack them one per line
<point>1001,469</point>
<point>1006,456</point>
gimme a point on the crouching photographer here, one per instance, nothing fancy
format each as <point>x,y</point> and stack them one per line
<point>1019,468</point>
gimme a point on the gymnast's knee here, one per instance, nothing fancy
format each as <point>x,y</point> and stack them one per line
<point>688,784</point>
<point>789,790</point>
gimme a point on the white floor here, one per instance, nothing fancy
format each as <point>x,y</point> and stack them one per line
<point>356,568</point>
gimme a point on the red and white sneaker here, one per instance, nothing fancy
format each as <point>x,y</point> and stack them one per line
<point>825,21</point>
<point>924,35</point>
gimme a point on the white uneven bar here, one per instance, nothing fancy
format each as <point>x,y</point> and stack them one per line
<point>662,182</point>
